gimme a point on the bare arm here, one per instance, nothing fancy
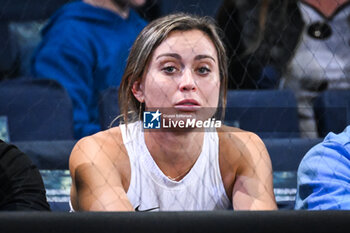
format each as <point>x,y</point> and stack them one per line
<point>253,187</point>
<point>96,181</point>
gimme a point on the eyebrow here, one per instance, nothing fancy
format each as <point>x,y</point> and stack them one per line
<point>177,56</point>
<point>199,57</point>
<point>174,55</point>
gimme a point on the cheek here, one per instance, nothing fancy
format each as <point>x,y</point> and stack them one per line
<point>214,87</point>
<point>158,91</point>
<point>210,91</point>
<point>216,96</point>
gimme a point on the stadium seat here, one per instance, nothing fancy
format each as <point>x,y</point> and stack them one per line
<point>48,155</point>
<point>332,111</point>
<point>20,25</point>
<point>108,106</point>
<point>286,155</point>
<point>269,113</point>
<point>36,110</point>
<point>24,10</point>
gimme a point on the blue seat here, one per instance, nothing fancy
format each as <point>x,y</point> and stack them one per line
<point>48,155</point>
<point>269,113</point>
<point>108,107</point>
<point>25,10</point>
<point>20,23</point>
<point>286,155</point>
<point>332,111</point>
<point>36,110</point>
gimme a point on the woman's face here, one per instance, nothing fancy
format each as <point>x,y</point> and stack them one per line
<point>183,75</point>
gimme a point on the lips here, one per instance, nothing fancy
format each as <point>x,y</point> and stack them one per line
<point>187,105</point>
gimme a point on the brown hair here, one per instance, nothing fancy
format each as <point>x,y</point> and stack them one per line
<point>148,40</point>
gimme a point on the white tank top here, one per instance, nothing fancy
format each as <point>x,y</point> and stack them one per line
<point>201,189</point>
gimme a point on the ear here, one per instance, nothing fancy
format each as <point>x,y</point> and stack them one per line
<point>138,91</point>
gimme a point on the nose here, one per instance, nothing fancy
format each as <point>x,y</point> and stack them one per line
<point>187,82</point>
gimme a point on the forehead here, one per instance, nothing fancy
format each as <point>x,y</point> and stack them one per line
<point>185,42</point>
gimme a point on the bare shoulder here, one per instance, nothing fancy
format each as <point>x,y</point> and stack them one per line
<point>101,149</point>
<point>237,145</point>
<point>246,169</point>
<point>100,170</point>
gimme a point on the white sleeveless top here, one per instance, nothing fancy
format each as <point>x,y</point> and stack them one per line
<point>201,189</point>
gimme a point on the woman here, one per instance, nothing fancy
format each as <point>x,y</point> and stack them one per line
<point>177,66</point>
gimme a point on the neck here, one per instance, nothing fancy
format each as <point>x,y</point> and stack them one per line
<point>175,153</point>
<point>111,6</point>
<point>328,8</point>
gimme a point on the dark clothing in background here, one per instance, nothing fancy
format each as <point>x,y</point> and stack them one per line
<point>255,65</point>
<point>9,54</point>
<point>21,185</point>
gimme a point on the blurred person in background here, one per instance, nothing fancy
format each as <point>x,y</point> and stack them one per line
<point>259,36</point>
<point>21,185</point>
<point>321,60</point>
<point>84,47</point>
<point>302,45</point>
<point>324,175</point>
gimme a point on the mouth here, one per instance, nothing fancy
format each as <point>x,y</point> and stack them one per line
<point>187,105</point>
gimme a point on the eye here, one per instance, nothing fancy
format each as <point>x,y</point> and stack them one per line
<point>169,69</point>
<point>203,70</point>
